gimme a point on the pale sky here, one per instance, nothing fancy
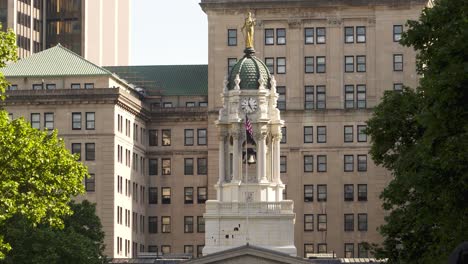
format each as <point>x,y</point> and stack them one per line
<point>168,32</point>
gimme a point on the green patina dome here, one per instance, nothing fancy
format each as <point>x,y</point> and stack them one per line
<point>250,70</point>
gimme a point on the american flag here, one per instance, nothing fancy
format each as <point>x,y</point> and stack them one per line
<point>248,126</point>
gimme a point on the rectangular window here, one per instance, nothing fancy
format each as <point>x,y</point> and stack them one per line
<point>152,248</point>
<point>188,224</point>
<point>203,104</point>
<point>269,36</point>
<point>321,35</point>
<point>321,163</point>
<point>398,87</point>
<point>188,195</point>
<point>280,36</point>
<point>37,86</point>
<point>281,103</point>
<point>308,193</point>
<point>76,149</point>
<point>232,37</point>
<point>349,63</point>
<point>12,87</point>
<point>309,35</point>
<point>75,86</point>
<point>362,136</point>
<point>201,137</point>
<point>283,164</point>
<point>349,34</point>
<point>152,225</point>
<point>188,249</point>
<point>348,163</point>
<point>284,135</point>
<point>362,222</point>
<point>50,86</point>
<point>188,166</point>
<point>321,64</point>
<point>166,195</point>
<point>153,195</point>
<point>322,222</point>
<point>349,222</point>
<point>200,224</point>
<point>166,137</point>
<point>90,183</point>
<point>348,134</point>
<point>349,96</point>
<point>397,62</point>
<point>231,63</point>
<point>89,85</point>
<point>90,120</point>
<point>361,34</point>
<point>153,167</point>
<point>270,63</point>
<point>309,97</point>
<point>153,137</point>
<point>349,250</point>
<point>349,192</point>
<point>308,134</point>
<point>167,104</point>
<point>362,162</point>
<point>76,121</point>
<point>363,250</point>
<point>202,166</point>
<point>49,121</point>
<point>308,222</point>
<point>165,226</point>
<point>362,192</point>
<point>188,137</point>
<point>361,96</point>
<point>322,193</point>
<point>166,166</point>
<point>397,31</point>
<point>321,97</point>
<point>308,163</point>
<point>309,64</point>
<point>200,251</point>
<point>361,63</point>
<point>321,134</point>
<point>90,151</point>
<point>202,195</point>
<point>308,249</point>
<point>281,65</point>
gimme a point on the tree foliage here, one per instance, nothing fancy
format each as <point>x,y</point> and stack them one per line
<point>421,135</point>
<point>80,241</point>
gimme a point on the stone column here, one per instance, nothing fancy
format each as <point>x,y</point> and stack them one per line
<point>276,158</point>
<point>235,159</point>
<point>222,158</point>
<point>261,158</point>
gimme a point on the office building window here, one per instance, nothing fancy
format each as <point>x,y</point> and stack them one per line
<point>270,63</point>
<point>308,222</point>
<point>153,167</point>
<point>188,195</point>
<point>153,195</point>
<point>165,249</point>
<point>362,192</point>
<point>321,64</point>
<point>349,96</point>
<point>285,192</point>
<point>200,224</point>
<point>281,103</point>
<point>308,193</point>
<point>201,136</point>
<point>232,37</point>
<point>280,36</point>
<point>349,34</point>
<point>203,104</point>
<point>281,65</point>
<point>188,137</point>
<point>348,163</point>
<point>321,134</point>
<point>308,134</point>
<point>321,35</point>
<point>167,104</point>
<point>188,249</point>
<point>308,163</point>
<point>152,225</point>
<point>49,121</point>
<point>349,222</point>
<point>269,36</point>
<point>398,87</point>
<point>283,164</point>
<point>76,149</point>
<point>397,31</point>
<point>284,135</point>
<point>188,224</point>
<point>200,251</point>
<point>202,195</point>
<point>166,166</point>
<point>362,222</point>
<point>309,97</point>
<point>321,97</point>
<point>90,151</point>
<point>90,120</point>
<point>50,86</point>
<point>309,64</point>
<point>361,34</point>
<point>322,222</point>
<point>166,195</point>
<point>362,136</point>
<point>37,86</point>
<point>322,193</point>
<point>76,121</point>
<point>165,224</point>
<point>348,134</point>
<point>308,249</point>
<point>90,183</point>
<point>349,63</point>
<point>349,250</point>
<point>348,192</point>
<point>361,96</point>
<point>75,86</point>
<point>321,163</point>
<point>12,87</point>
<point>188,166</point>
<point>362,162</point>
<point>309,35</point>
<point>231,63</point>
<point>202,166</point>
<point>361,63</point>
<point>89,85</point>
<point>363,251</point>
<point>397,62</point>
<point>166,137</point>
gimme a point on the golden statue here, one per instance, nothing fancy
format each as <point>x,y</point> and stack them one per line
<point>249,26</point>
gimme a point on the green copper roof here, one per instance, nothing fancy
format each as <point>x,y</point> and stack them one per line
<point>56,61</point>
<point>250,70</point>
<point>168,79</point>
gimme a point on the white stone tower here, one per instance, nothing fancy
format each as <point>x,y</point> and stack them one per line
<point>249,207</point>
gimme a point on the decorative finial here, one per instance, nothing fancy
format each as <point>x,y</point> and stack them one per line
<point>248,29</point>
<point>261,83</point>
<point>237,81</point>
<point>273,84</point>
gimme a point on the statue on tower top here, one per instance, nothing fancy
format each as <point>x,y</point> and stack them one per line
<point>248,29</point>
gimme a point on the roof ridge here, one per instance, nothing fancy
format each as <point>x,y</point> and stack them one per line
<point>79,56</point>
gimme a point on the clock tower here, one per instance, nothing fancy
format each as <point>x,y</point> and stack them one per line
<point>249,206</point>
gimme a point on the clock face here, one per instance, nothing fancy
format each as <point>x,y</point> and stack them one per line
<point>249,105</point>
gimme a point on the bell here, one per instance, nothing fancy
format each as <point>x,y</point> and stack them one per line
<point>251,159</point>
